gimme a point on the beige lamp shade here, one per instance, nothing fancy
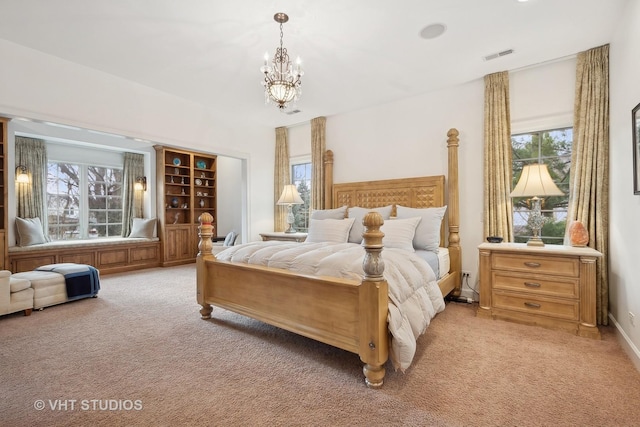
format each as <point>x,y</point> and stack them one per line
<point>290,196</point>
<point>535,181</point>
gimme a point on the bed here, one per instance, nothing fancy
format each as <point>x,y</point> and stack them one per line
<point>344,312</point>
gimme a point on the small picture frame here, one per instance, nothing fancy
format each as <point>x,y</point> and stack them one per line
<point>635,126</point>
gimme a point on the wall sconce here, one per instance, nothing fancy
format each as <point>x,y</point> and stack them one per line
<point>140,184</point>
<point>22,177</point>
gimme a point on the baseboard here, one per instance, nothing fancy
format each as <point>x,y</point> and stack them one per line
<point>628,346</point>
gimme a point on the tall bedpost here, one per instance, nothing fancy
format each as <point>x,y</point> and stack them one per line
<point>205,248</point>
<point>328,179</point>
<point>453,209</point>
<point>374,338</point>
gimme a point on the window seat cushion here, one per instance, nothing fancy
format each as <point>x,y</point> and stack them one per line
<point>74,244</point>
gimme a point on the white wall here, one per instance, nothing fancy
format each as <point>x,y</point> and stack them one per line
<point>229,194</point>
<point>624,285</point>
<point>408,138</point>
<point>46,88</point>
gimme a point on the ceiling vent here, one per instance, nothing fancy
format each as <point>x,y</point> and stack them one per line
<point>498,55</point>
<point>292,112</point>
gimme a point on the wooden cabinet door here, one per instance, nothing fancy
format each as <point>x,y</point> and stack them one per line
<point>178,243</point>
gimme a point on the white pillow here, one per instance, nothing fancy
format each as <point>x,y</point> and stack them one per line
<point>329,230</point>
<point>338,213</point>
<point>428,231</point>
<point>29,231</point>
<point>143,227</point>
<point>398,233</point>
<point>358,213</point>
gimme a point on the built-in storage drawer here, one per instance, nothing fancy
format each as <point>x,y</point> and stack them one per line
<point>554,286</point>
<point>538,264</point>
<point>539,305</point>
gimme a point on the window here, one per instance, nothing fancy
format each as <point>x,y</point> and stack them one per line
<point>83,201</point>
<point>553,148</point>
<point>301,178</point>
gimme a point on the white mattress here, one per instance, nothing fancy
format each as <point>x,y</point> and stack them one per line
<point>444,263</point>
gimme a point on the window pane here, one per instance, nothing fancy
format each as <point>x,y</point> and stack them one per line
<point>301,178</point>
<point>553,148</point>
<point>94,212</point>
<point>63,200</point>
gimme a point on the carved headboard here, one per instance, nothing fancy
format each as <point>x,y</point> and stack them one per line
<point>420,192</point>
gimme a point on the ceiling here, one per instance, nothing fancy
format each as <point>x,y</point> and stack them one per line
<point>355,53</point>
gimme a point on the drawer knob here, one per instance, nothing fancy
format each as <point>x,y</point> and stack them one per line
<point>532,264</point>
<point>531,305</point>
<point>532,284</point>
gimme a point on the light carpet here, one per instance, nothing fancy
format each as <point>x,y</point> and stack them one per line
<point>139,354</point>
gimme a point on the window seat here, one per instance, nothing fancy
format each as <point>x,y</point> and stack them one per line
<point>113,255</point>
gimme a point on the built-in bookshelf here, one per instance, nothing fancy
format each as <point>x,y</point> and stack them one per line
<point>186,183</point>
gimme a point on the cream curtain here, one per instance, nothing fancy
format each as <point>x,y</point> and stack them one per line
<point>318,147</point>
<point>282,177</point>
<point>131,199</point>
<point>588,200</point>
<point>498,217</point>
<point>32,154</point>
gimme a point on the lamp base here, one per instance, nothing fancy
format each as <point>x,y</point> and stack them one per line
<point>535,241</point>
<point>290,230</point>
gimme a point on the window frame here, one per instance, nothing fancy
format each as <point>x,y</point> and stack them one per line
<point>563,184</point>
<point>84,226</point>
<point>301,212</point>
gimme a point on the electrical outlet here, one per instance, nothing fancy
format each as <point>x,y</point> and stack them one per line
<point>632,319</point>
<point>466,274</point>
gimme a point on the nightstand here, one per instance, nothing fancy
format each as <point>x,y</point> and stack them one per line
<point>281,235</point>
<point>552,286</point>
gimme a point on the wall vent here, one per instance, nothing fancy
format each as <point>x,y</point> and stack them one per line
<point>292,112</point>
<point>498,55</point>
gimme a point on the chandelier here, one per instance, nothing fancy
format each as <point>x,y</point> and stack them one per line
<point>281,81</point>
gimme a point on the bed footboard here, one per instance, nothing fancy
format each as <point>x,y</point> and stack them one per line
<point>347,314</point>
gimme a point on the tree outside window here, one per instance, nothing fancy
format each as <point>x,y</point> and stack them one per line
<point>553,148</point>
<point>301,178</point>
<point>83,201</point>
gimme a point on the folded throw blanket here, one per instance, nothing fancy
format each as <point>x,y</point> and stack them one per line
<point>81,279</point>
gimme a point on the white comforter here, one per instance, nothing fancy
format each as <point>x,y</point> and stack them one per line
<point>414,295</point>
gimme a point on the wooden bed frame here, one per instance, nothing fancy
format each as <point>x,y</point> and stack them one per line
<point>348,314</point>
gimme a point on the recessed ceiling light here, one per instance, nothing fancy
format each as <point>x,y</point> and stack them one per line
<point>432,31</point>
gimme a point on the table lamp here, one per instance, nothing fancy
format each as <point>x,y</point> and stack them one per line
<point>290,197</point>
<point>535,182</point>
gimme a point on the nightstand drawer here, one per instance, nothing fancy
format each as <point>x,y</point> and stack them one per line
<point>561,309</point>
<point>559,266</point>
<point>536,285</point>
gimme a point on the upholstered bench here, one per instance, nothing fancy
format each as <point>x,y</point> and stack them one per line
<point>58,283</point>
